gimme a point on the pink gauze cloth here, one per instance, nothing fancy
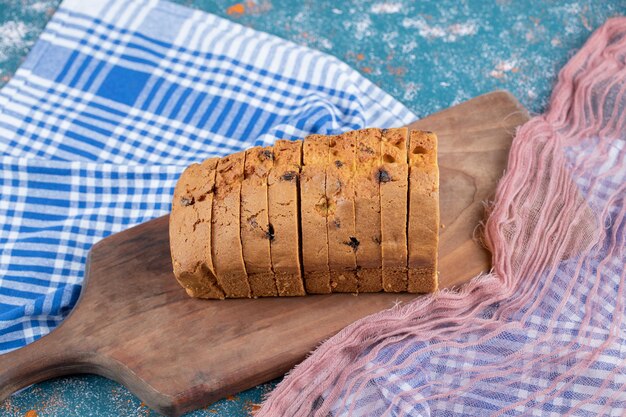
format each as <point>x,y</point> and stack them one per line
<point>544,333</point>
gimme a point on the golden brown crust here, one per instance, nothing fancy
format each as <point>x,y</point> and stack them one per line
<point>190,231</point>
<point>423,226</point>
<point>255,222</point>
<point>393,180</point>
<point>227,252</point>
<point>313,207</point>
<point>342,241</point>
<point>284,217</point>
<point>367,209</point>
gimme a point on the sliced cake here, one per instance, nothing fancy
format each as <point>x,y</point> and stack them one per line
<point>227,252</point>
<point>423,227</point>
<point>255,231</point>
<point>313,209</point>
<point>190,231</point>
<point>367,209</point>
<point>342,242</point>
<point>284,211</point>
<point>393,181</point>
<point>357,212</point>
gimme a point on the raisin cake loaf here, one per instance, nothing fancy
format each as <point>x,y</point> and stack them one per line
<point>356,212</point>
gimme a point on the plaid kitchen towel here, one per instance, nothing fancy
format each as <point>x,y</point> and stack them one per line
<point>544,334</point>
<point>115,99</point>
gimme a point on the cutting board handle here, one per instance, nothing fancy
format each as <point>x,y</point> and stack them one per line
<point>40,360</point>
<point>52,356</point>
<point>64,352</point>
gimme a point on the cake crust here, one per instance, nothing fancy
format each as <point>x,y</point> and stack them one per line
<point>314,213</point>
<point>393,180</point>
<point>255,232</point>
<point>283,191</point>
<point>367,209</point>
<point>423,227</point>
<point>190,231</point>
<point>227,252</point>
<point>342,242</point>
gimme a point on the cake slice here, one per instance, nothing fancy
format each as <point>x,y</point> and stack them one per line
<point>393,180</point>
<point>423,226</point>
<point>284,214</point>
<point>255,232</point>
<point>342,242</point>
<point>313,209</point>
<point>190,231</point>
<point>367,209</point>
<point>226,247</point>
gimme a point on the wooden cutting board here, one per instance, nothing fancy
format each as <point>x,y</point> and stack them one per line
<point>134,324</point>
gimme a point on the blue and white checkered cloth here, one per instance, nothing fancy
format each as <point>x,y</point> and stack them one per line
<point>115,99</point>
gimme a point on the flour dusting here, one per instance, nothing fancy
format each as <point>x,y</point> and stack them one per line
<point>361,28</point>
<point>325,43</point>
<point>42,6</point>
<point>299,18</point>
<point>386,8</point>
<point>390,39</point>
<point>503,67</point>
<point>448,33</point>
<point>411,90</point>
<point>408,47</point>
<point>13,36</point>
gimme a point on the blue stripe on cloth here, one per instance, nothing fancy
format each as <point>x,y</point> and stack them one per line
<point>100,120</point>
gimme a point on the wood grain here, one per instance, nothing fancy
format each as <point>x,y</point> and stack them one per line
<point>134,324</point>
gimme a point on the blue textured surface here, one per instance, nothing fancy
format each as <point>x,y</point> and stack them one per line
<point>98,397</point>
<point>429,55</point>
